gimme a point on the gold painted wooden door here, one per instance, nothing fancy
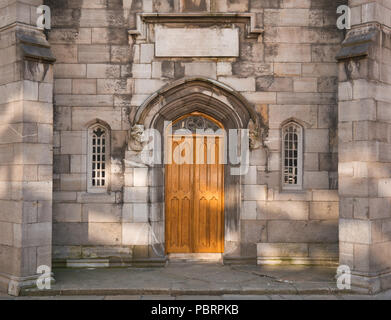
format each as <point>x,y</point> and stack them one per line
<point>195,197</point>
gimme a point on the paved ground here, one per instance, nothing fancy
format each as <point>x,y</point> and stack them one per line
<point>196,281</point>
<point>383,296</point>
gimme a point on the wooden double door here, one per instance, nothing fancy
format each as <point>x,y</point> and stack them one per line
<point>194,201</point>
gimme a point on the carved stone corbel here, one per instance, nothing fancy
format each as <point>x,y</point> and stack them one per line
<point>255,136</point>
<point>136,138</point>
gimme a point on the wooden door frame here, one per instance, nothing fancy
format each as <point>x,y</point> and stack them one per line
<point>194,137</point>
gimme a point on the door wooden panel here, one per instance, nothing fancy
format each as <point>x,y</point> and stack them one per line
<point>195,200</point>
<point>208,198</point>
<point>179,205</point>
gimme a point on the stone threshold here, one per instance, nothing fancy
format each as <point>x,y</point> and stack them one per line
<point>195,257</point>
<point>182,292</point>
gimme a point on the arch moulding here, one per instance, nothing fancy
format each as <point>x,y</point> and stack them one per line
<point>197,94</point>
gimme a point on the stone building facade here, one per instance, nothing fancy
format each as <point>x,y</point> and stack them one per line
<point>75,99</point>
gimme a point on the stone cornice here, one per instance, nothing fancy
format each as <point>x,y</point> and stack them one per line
<point>373,24</point>
<point>249,19</point>
<point>19,25</point>
<point>31,41</point>
<point>35,48</point>
<point>359,40</point>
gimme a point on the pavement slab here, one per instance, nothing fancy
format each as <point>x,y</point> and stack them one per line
<point>132,297</point>
<point>204,280</point>
<point>245,297</point>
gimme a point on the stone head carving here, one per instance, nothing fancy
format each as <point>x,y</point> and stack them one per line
<point>352,69</point>
<point>255,136</point>
<point>136,138</point>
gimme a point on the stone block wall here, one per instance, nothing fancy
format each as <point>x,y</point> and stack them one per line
<point>107,67</point>
<point>92,83</point>
<point>364,146</point>
<point>104,73</point>
<point>26,126</point>
<point>296,79</point>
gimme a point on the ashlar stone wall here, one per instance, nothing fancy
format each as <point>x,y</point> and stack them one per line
<point>92,82</point>
<point>26,138</point>
<point>106,68</point>
<point>364,148</point>
<point>299,44</point>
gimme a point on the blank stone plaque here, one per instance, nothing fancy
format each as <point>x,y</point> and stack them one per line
<point>196,42</point>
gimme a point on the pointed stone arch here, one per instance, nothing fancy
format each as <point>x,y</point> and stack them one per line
<point>197,95</point>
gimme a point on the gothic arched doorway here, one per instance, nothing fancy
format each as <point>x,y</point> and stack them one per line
<point>219,104</point>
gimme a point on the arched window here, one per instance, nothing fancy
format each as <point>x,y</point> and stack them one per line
<point>98,158</point>
<point>292,156</point>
